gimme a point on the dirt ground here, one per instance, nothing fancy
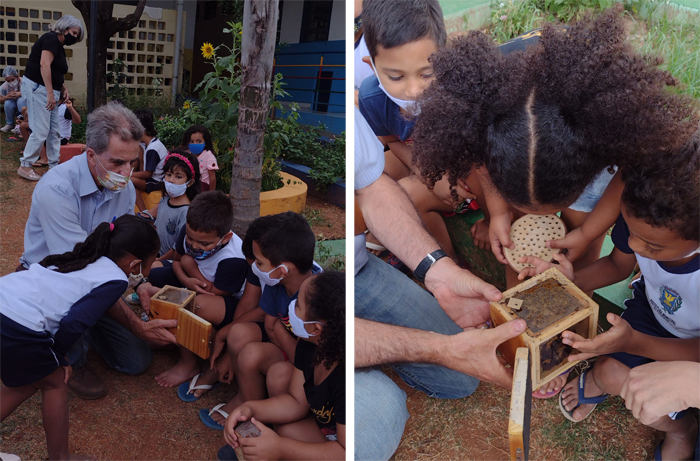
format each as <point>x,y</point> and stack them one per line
<point>137,419</point>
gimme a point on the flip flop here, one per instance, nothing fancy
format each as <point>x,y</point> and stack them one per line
<point>205,416</point>
<point>581,400</point>
<point>184,390</point>
<point>375,247</point>
<point>657,451</point>
<point>39,165</point>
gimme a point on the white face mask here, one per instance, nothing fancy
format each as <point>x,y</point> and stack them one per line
<point>134,279</point>
<point>113,181</point>
<point>410,106</point>
<point>297,323</point>
<point>175,190</point>
<point>692,253</point>
<point>264,277</point>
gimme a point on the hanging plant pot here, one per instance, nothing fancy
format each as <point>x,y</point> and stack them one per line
<point>290,197</point>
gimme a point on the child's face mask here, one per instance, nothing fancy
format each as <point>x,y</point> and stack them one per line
<point>409,106</point>
<point>175,190</point>
<point>297,323</point>
<point>264,277</point>
<point>196,149</point>
<point>200,254</point>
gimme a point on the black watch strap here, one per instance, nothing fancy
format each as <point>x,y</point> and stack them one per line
<point>143,280</point>
<point>427,263</point>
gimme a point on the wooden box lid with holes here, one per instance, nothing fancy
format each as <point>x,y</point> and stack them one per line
<point>530,235</point>
<point>192,332</point>
<point>550,304</point>
<point>245,430</point>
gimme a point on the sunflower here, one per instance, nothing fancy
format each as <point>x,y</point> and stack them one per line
<point>186,105</point>
<point>207,50</point>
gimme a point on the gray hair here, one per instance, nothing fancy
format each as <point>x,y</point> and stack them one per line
<point>68,22</point>
<point>112,119</point>
<point>9,71</point>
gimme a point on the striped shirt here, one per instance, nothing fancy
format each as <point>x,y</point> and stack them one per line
<point>66,207</point>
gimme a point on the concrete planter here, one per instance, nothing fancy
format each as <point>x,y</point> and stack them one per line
<point>291,197</point>
<point>335,193</point>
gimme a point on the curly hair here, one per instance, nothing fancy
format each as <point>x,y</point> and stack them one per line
<point>665,192</point>
<point>325,300</point>
<point>546,121</point>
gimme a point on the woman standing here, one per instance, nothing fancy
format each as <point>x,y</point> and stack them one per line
<point>43,89</point>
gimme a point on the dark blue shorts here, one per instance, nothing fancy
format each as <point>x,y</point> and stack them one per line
<point>639,315</point>
<point>26,356</point>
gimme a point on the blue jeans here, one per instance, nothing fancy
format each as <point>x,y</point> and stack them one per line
<point>380,415</point>
<point>121,350</point>
<point>44,125</point>
<point>591,195</point>
<point>383,294</point>
<point>13,107</point>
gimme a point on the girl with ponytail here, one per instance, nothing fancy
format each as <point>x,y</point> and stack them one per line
<point>45,309</point>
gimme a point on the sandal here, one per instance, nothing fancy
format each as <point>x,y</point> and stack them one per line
<point>581,400</point>
<point>39,165</point>
<point>185,390</point>
<point>205,416</point>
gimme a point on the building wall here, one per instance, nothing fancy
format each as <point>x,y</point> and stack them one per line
<point>292,13</point>
<point>142,48</point>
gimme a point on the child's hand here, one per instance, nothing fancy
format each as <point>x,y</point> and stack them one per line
<point>241,413</point>
<point>499,235</point>
<point>574,242</point>
<point>564,266</point>
<point>68,103</point>
<point>480,234</point>
<point>267,446</point>
<point>224,368</point>
<point>217,348</point>
<point>613,340</point>
<point>197,285</point>
<point>68,372</point>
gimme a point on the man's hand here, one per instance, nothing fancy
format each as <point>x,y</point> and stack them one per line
<point>564,266</point>
<point>155,332</point>
<point>499,235</point>
<point>462,295</point>
<point>267,446</point>
<point>615,339</point>
<point>239,414</point>
<point>146,292</point>
<point>474,352</point>
<point>574,242</point>
<point>656,389</point>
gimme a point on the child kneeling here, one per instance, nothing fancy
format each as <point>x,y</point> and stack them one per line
<point>45,309</point>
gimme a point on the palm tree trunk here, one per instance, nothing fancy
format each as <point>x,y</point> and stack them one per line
<point>258,51</point>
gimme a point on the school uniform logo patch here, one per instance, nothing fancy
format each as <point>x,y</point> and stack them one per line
<point>670,299</point>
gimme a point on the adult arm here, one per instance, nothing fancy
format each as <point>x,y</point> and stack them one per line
<point>390,215</point>
<point>154,331</point>
<point>472,352</point>
<point>45,66</point>
<point>59,218</point>
<point>647,389</point>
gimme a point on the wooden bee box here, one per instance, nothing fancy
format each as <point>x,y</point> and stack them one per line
<point>550,304</point>
<point>192,332</point>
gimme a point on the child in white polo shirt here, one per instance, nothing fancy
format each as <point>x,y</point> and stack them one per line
<point>45,309</point>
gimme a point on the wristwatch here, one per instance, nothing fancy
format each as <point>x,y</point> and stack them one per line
<point>143,280</point>
<point>427,263</point>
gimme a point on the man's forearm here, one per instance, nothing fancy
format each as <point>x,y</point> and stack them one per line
<point>122,313</point>
<point>392,218</point>
<point>379,343</point>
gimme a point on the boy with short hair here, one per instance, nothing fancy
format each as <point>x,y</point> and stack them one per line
<point>149,178</point>
<point>208,260</point>
<point>283,246</point>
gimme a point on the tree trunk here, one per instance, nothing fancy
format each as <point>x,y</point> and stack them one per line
<point>107,26</point>
<point>258,51</point>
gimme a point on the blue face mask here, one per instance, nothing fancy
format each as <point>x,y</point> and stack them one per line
<point>196,149</point>
<point>200,254</point>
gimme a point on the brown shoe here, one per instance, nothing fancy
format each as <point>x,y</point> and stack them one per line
<point>86,384</point>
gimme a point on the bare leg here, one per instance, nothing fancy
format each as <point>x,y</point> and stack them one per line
<point>184,370</point>
<point>54,411</point>
<point>394,167</point>
<point>278,378</point>
<point>12,397</point>
<point>304,430</point>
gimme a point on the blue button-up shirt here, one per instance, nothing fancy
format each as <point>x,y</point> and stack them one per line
<point>67,206</point>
